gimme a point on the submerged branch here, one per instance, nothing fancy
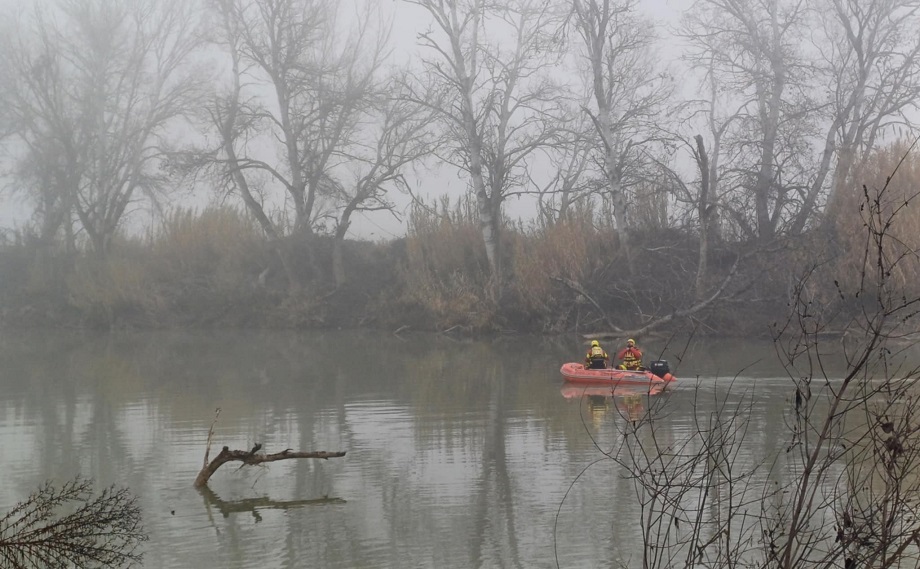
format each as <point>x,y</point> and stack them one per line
<point>253,457</point>
<point>250,457</point>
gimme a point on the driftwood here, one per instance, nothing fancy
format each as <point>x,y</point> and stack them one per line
<point>250,457</point>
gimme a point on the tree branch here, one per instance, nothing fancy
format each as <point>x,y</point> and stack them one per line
<point>251,457</point>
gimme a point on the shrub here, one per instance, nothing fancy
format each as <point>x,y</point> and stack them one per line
<point>99,531</point>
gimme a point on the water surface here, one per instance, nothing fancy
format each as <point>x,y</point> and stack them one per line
<point>459,453</point>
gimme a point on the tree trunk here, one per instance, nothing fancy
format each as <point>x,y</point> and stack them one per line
<point>771,100</point>
<point>338,243</point>
<point>705,211</point>
<point>227,130</point>
<point>618,199</point>
<point>809,205</point>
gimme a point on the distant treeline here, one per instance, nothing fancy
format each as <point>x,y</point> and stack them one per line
<point>217,268</point>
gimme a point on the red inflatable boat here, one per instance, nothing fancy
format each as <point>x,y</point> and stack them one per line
<point>656,376</point>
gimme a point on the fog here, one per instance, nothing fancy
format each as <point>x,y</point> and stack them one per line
<point>429,180</point>
<point>778,108</point>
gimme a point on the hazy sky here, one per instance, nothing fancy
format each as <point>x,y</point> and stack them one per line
<point>409,20</point>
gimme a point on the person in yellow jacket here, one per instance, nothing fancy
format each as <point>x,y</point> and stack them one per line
<point>630,356</point>
<point>596,358</point>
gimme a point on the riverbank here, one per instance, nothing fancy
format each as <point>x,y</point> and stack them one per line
<point>215,270</point>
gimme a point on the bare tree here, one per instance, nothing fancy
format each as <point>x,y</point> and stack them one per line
<point>812,87</point>
<point>397,135</point>
<point>70,526</point>
<point>628,94</point>
<point>97,86</point>
<point>315,93</point>
<point>708,200</point>
<point>572,177</point>
<point>702,199</point>
<point>301,85</point>
<point>870,59</point>
<point>492,96</point>
<point>36,110</point>
<point>750,49</point>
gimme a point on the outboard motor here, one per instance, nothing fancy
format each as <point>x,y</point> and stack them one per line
<point>659,368</point>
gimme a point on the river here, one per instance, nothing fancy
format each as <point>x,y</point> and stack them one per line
<point>460,453</point>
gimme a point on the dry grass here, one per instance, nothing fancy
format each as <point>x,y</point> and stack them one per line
<point>446,270</point>
<point>116,290</point>
<point>194,265</point>
<point>220,249</point>
<point>573,249</point>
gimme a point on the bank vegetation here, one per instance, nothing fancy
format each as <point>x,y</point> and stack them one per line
<point>215,267</point>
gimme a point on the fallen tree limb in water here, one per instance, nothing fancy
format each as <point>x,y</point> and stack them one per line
<point>250,457</point>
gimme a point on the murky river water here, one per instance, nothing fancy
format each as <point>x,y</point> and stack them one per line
<point>459,453</point>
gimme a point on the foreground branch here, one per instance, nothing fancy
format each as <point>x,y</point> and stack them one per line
<point>72,526</point>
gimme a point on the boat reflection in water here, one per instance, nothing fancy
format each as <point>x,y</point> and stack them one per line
<point>628,400</point>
